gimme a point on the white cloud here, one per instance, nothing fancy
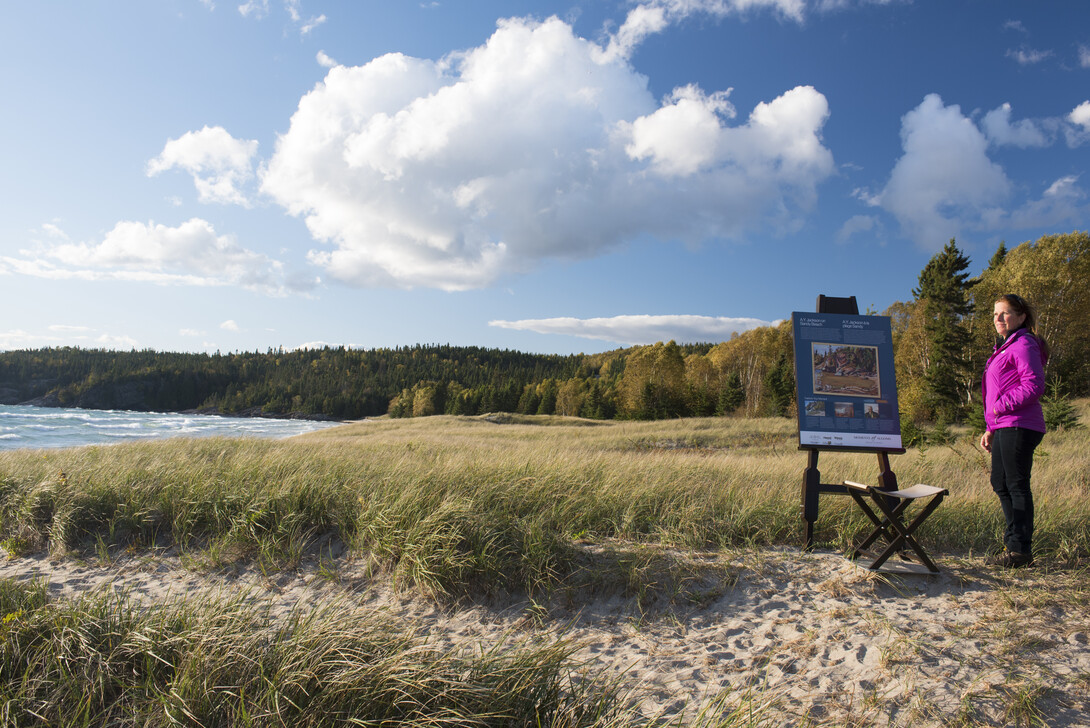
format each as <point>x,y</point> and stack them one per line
<point>326,61</point>
<point>640,329</point>
<point>65,329</point>
<point>110,341</point>
<point>534,145</point>
<point>65,335</point>
<point>944,181</point>
<point>1084,56</point>
<point>218,162</point>
<point>653,17</point>
<point>255,8</point>
<point>258,9</point>
<point>189,254</point>
<point>1077,129</point>
<point>1028,56</point>
<point>999,130</point>
<point>311,24</point>
<point>20,339</point>
<point>1015,25</point>
<point>854,226</point>
<point>1062,202</point>
<point>945,184</point>
<point>229,325</point>
<point>190,332</point>
<point>1081,115</point>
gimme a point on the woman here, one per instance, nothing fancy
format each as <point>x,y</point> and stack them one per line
<point>1014,380</point>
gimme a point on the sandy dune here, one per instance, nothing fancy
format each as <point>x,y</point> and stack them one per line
<point>799,638</point>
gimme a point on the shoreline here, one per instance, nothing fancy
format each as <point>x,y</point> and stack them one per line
<point>249,413</point>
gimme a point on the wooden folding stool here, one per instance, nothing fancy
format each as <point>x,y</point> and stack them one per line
<point>891,525</point>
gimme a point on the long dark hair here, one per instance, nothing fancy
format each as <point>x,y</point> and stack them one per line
<point>1021,306</point>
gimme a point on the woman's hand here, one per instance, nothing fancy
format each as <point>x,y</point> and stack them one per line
<point>986,441</point>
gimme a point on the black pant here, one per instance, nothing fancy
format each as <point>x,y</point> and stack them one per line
<point>1012,460</point>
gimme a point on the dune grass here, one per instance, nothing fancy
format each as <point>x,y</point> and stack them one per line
<point>454,505</point>
<point>448,506</point>
<point>99,661</point>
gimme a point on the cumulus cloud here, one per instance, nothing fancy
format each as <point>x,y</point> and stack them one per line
<point>945,184</point>
<point>640,329</point>
<point>229,325</point>
<point>944,181</point>
<point>218,162</point>
<point>189,254</point>
<point>537,144</point>
<point>1000,131</point>
<point>325,61</point>
<point>1081,115</point>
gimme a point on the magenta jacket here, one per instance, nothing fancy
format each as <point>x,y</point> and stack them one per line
<point>1014,380</point>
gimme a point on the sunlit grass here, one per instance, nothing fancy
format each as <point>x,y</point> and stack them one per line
<point>452,504</point>
<point>446,506</point>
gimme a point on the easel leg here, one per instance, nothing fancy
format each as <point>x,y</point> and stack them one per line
<point>811,489</point>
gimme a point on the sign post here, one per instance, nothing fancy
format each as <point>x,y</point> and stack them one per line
<point>847,394</point>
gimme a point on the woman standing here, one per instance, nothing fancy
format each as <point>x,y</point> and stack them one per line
<point>1014,380</point>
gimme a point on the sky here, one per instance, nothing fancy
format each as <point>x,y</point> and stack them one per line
<point>548,177</point>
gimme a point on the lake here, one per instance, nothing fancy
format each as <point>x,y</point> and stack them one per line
<point>38,427</point>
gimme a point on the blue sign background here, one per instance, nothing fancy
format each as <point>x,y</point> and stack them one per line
<point>847,390</point>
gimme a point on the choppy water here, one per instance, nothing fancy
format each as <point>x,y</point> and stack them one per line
<point>34,427</point>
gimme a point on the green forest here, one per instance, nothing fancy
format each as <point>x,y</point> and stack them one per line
<point>943,335</point>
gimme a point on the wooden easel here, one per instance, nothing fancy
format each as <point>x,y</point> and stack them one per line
<point>812,487</point>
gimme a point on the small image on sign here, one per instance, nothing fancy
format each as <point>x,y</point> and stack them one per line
<point>845,369</point>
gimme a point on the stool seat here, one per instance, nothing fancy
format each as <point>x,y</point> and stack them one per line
<point>891,525</point>
<point>917,491</point>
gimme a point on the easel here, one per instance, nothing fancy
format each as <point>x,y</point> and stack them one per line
<point>812,487</point>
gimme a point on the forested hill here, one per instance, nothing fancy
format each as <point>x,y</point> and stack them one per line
<point>942,339</point>
<point>335,382</point>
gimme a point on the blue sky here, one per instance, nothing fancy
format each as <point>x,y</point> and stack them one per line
<point>195,175</point>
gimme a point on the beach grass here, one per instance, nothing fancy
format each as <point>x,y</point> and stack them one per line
<point>100,661</point>
<point>505,503</point>
<point>453,507</point>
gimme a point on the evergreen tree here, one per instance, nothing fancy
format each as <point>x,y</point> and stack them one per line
<point>731,396</point>
<point>943,289</point>
<point>781,386</point>
<point>1059,413</point>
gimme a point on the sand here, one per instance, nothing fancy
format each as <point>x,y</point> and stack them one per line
<point>797,638</point>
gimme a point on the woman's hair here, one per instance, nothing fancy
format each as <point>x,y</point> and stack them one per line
<point>1021,306</point>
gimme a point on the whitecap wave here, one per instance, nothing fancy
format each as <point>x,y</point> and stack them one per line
<point>37,427</point>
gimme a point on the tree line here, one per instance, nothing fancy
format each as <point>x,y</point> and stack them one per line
<point>942,338</point>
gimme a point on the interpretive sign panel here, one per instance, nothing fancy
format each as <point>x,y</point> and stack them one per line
<point>846,388</point>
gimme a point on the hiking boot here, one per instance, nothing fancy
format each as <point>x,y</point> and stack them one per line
<point>1010,560</point>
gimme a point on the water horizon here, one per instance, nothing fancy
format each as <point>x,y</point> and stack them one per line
<point>31,427</point>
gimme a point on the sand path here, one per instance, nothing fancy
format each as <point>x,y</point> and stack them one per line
<point>799,638</point>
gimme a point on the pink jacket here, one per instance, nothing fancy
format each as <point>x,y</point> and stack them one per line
<point>1014,380</point>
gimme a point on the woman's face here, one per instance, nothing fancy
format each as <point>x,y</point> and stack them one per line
<point>1006,320</point>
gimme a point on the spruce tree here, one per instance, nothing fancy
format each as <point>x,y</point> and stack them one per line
<point>944,287</point>
<point>731,396</point>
